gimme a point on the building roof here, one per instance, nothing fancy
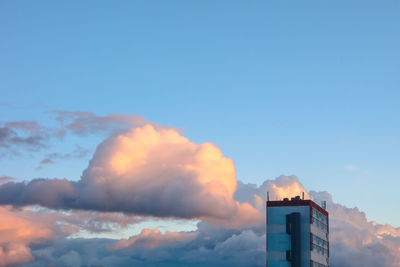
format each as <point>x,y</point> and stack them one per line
<point>296,202</point>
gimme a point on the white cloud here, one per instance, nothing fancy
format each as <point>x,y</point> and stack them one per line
<point>351,167</point>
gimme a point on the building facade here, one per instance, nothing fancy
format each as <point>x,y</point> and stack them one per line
<point>297,234</point>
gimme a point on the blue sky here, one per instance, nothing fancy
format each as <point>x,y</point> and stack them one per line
<point>306,88</point>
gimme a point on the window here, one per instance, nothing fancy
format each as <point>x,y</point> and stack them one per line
<point>319,220</point>
<point>320,246</point>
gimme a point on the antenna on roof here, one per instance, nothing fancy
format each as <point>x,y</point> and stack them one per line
<point>303,196</point>
<point>324,204</point>
<point>267,196</point>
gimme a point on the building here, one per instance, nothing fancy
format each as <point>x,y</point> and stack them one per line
<point>297,233</point>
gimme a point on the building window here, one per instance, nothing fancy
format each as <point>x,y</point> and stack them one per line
<point>319,220</point>
<point>319,245</point>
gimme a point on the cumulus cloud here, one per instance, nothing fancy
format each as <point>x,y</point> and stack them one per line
<point>161,173</point>
<point>355,241</point>
<point>279,188</point>
<point>147,171</point>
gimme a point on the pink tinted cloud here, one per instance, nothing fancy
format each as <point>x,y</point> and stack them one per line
<point>6,179</point>
<point>96,222</point>
<point>46,161</point>
<point>161,173</point>
<point>17,232</point>
<point>153,238</point>
<point>149,171</point>
<point>22,228</point>
<point>354,240</point>
<point>278,189</point>
<point>357,241</point>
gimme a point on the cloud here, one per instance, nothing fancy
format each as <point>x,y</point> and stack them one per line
<point>85,123</point>
<point>30,136</point>
<point>17,232</point>
<point>9,138</point>
<point>6,179</point>
<point>21,135</point>
<point>55,193</point>
<point>279,188</point>
<point>78,153</point>
<point>16,136</point>
<point>351,167</point>
<point>158,172</point>
<point>153,238</point>
<point>25,126</point>
<point>210,247</point>
<point>354,240</point>
<point>96,222</point>
<point>146,171</point>
<point>22,230</point>
<point>44,162</point>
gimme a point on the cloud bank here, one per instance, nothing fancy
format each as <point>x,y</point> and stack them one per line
<point>143,170</point>
<point>354,240</point>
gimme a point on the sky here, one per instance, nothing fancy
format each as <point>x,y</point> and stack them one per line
<point>279,87</point>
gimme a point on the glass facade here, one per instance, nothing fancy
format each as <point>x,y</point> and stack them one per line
<point>319,220</point>
<point>297,234</point>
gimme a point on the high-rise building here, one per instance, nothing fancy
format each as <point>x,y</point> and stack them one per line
<point>297,233</point>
